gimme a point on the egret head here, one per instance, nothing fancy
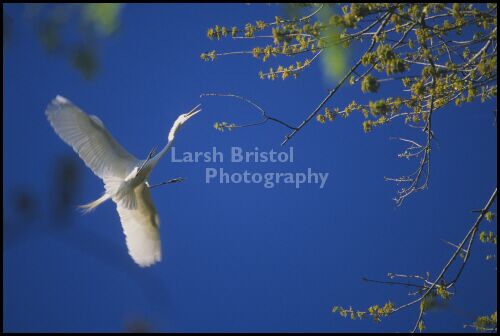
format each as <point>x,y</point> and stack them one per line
<point>181,120</point>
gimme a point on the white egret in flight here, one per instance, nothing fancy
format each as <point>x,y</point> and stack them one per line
<point>124,176</point>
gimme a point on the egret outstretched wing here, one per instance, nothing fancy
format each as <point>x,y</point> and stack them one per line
<point>124,176</point>
<point>141,227</point>
<point>90,139</point>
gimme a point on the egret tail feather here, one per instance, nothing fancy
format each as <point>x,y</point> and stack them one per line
<point>86,208</point>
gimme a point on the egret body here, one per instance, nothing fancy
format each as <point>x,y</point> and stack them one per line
<point>124,176</point>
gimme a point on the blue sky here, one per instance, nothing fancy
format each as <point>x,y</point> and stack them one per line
<point>236,257</point>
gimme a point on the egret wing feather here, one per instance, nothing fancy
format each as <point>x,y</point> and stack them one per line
<point>141,227</point>
<point>90,139</point>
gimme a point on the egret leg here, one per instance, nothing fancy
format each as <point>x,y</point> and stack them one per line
<point>150,155</point>
<point>175,180</point>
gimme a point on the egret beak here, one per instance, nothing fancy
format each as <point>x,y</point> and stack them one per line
<point>193,112</point>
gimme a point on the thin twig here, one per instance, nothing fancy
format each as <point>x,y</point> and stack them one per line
<point>386,18</point>
<point>455,254</point>
<point>265,116</point>
<point>406,284</point>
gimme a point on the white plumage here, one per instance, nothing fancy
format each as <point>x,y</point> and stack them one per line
<point>88,137</point>
<point>141,227</point>
<point>124,176</point>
